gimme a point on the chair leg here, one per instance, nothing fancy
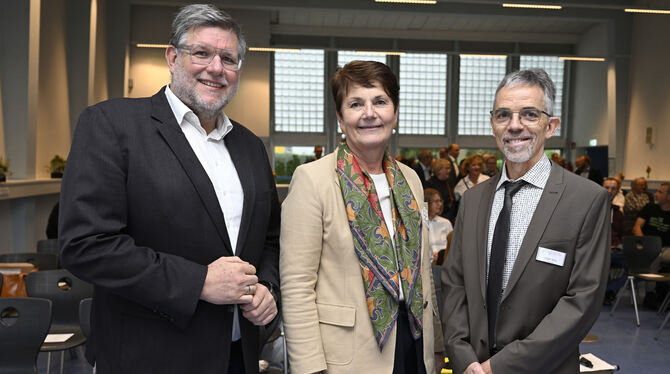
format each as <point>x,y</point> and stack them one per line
<point>621,291</point>
<point>658,333</point>
<point>664,305</point>
<point>637,315</point>
<point>48,362</point>
<point>62,361</point>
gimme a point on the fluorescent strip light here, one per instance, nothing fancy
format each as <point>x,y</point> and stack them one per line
<point>567,58</point>
<point>531,6</point>
<point>264,49</point>
<point>430,2</point>
<point>149,45</point>
<point>476,55</point>
<point>382,53</point>
<point>648,11</point>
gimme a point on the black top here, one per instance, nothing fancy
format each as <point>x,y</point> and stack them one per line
<point>656,222</point>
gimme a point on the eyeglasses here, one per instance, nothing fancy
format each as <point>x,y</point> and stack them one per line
<point>527,116</point>
<point>203,54</point>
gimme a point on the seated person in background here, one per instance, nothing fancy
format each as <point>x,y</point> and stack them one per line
<point>634,201</point>
<point>491,165</point>
<point>619,200</point>
<point>583,165</point>
<point>438,227</point>
<point>440,181</point>
<point>654,219</point>
<point>422,168</point>
<point>473,174</point>
<point>618,267</point>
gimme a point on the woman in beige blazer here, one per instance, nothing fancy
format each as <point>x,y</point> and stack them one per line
<point>356,279</point>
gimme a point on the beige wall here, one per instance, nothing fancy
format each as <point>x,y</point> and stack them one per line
<point>53,117</point>
<point>650,98</point>
<point>589,111</point>
<point>2,124</point>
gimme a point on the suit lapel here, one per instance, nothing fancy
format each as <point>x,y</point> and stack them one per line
<point>239,153</point>
<point>482,230</point>
<point>169,129</point>
<point>538,224</point>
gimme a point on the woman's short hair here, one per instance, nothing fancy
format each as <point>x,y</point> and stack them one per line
<point>428,193</point>
<point>365,74</point>
<point>439,164</point>
<point>196,15</point>
<point>471,160</point>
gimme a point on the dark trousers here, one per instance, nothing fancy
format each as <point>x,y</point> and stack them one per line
<point>408,352</point>
<point>236,360</point>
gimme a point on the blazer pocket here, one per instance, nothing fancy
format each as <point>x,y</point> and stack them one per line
<point>336,323</point>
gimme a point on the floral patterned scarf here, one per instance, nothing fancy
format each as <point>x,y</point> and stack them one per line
<point>374,247</point>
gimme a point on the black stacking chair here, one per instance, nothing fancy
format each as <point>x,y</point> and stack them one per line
<point>24,323</point>
<point>48,246</point>
<point>66,292</point>
<point>661,310</point>
<point>640,252</point>
<point>42,261</point>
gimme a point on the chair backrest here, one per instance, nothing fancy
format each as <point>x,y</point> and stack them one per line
<point>24,323</point>
<point>65,291</point>
<point>42,261</point>
<point>640,251</point>
<point>48,246</point>
<point>85,315</point>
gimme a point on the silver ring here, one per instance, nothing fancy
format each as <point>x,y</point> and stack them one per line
<point>248,290</point>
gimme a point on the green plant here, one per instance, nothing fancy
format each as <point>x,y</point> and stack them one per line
<point>57,164</point>
<point>4,166</point>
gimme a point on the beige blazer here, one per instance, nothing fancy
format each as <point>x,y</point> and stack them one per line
<point>323,302</point>
<point>546,309</point>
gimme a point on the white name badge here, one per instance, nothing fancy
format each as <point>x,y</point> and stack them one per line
<point>550,256</point>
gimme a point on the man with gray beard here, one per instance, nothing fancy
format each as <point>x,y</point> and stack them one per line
<point>169,208</point>
<point>528,265</point>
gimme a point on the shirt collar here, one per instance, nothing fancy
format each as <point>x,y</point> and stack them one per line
<point>537,175</point>
<point>183,114</point>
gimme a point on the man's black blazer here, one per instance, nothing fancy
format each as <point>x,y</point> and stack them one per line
<point>140,220</point>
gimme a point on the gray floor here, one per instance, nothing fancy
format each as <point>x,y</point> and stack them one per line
<point>621,343</point>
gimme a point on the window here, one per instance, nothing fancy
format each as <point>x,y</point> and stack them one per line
<point>345,57</point>
<point>298,91</point>
<point>423,82</point>
<point>555,68</point>
<point>479,78</point>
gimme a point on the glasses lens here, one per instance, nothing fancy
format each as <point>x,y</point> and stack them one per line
<point>530,116</point>
<point>229,59</point>
<point>502,116</point>
<point>201,54</point>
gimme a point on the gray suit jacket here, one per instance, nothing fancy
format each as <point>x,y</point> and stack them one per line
<point>546,309</point>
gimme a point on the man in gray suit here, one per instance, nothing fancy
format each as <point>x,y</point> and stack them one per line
<point>527,269</point>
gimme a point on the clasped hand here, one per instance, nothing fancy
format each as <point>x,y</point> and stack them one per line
<point>233,281</point>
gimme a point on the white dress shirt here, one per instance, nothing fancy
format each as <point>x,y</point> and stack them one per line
<point>438,229</point>
<point>384,196</point>
<point>454,166</point>
<point>213,155</point>
<point>524,203</point>
<point>466,183</point>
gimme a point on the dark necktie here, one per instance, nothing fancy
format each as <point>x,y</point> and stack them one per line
<point>497,260</point>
